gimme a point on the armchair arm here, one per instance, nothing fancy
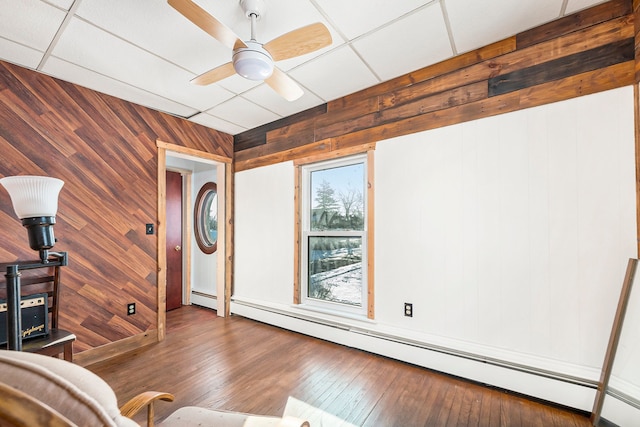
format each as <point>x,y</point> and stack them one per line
<point>147,399</point>
<point>20,409</point>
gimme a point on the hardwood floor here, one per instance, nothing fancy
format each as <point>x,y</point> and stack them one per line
<point>240,365</point>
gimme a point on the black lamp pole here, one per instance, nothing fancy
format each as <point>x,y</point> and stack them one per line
<point>14,318</point>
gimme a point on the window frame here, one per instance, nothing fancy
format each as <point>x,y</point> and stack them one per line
<point>303,205</point>
<point>199,214</point>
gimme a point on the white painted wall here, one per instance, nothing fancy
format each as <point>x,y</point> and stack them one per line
<point>204,266</point>
<point>510,235</point>
<point>264,215</point>
<point>518,226</point>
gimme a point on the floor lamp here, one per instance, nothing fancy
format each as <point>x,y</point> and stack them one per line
<point>35,201</point>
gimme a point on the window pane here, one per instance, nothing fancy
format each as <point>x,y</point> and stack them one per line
<point>335,269</point>
<point>210,217</point>
<point>337,198</point>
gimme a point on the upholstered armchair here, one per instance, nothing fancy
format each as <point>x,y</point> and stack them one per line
<point>39,390</point>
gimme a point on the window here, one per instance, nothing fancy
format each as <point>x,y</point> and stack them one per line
<point>333,247</point>
<point>206,218</point>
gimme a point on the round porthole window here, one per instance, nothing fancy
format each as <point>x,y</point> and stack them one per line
<point>206,218</point>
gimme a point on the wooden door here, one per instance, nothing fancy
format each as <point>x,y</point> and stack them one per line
<point>174,240</point>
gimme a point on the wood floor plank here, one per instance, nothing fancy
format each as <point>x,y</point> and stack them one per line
<point>495,411</point>
<point>366,390</point>
<point>473,418</point>
<point>237,364</point>
<point>456,407</point>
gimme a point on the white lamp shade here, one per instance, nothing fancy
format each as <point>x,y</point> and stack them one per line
<point>33,196</point>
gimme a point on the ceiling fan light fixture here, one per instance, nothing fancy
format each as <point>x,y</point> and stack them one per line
<point>253,62</point>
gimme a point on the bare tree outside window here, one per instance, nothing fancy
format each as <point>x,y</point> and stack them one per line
<point>334,251</point>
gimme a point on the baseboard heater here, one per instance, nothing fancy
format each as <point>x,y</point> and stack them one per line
<point>426,346</point>
<point>623,397</point>
<point>202,294</point>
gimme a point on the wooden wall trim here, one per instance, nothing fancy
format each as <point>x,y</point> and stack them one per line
<point>192,152</point>
<point>371,302</point>
<point>335,153</point>
<point>257,136</point>
<point>229,183</point>
<point>222,303</point>
<point>116,348</point>
<point>459,62</point>
<point>225,247</point>
<point>636,115</point>
<point>187,226</point>
<point>636,15</point>
<point>161,230</point>
<point>297,235</point>
<point>587,52</point>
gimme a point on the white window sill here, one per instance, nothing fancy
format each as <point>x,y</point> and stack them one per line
<point>333,313</point>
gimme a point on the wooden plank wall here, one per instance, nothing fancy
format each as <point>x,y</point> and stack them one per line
<point>636,14</point>
<point>587,52</point>
<point>636,113</point>
<point>104,149</point>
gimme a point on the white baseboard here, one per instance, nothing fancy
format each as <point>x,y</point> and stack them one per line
<point>619,413</point>
<point>561,386</point>
<point>204,300</point>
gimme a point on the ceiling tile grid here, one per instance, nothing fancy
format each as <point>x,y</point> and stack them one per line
<point>31,23</point>
<point>410,43</point>
<point>146,52</point>
<point>479,23</point>
<point>20,54</point>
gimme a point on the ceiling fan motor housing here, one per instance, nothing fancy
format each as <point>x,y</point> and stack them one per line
<point>253,62</point>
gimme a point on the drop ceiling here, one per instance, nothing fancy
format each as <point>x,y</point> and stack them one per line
<point>145,52</point>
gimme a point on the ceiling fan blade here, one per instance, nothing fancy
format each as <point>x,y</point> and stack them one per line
<point>284,85</point>
<point>298,42</point>
<point>217,74</point>
<point>206,22</point>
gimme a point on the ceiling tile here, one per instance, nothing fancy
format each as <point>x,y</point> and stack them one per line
<point>146,52</point>
<point>89,47</point>
<point>243,113</point>
<point>280,17</point>
<point>265,96</point>
<point>238,84</point>
<point>335,74</point>
<point>62,4</point>
<point>92,80</point>
<point>576,5</point>
<point>158,28</point>
<point>213,122</point>
<point>418,40</point>
<point>20,54</point>
<point>500,19</point>
<point>354,18</point>
<point>29,22</point>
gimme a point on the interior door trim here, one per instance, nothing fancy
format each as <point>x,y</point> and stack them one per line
<point>225,244</point>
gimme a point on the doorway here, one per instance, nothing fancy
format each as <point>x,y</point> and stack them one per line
<point>196,168</point>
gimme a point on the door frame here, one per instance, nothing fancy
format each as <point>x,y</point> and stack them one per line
<point>224,177</point>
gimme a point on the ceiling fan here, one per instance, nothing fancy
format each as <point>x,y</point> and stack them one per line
<point>252,59</point>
